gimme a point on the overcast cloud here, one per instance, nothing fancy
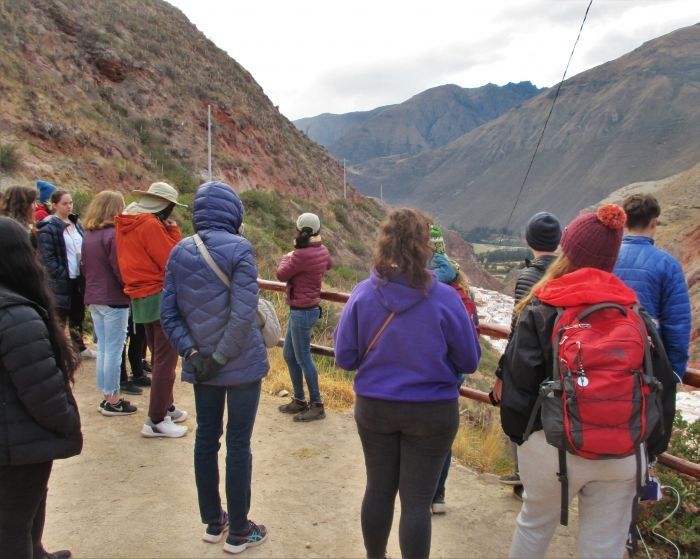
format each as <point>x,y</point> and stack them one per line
<point>317,56</point>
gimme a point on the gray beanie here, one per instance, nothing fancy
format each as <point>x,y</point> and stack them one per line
<point>543,232</point>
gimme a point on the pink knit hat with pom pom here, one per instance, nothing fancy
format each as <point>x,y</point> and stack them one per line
<point>593,240</point>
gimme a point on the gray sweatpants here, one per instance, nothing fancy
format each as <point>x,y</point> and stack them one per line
<point>605,489</point>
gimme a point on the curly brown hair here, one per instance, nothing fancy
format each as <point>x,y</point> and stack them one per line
<point>404,247</point>
<point>17,204</point>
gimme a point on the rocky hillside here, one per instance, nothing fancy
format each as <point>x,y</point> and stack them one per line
<point>430,119</point>
<point>632,119</point>
<point>100,95</point>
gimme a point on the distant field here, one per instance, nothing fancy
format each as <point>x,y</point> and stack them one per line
<point>480,248</point>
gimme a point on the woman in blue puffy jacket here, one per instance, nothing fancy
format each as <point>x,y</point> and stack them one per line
<point>214,328</point>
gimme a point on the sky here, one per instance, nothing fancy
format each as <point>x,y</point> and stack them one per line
<point>327,56</point>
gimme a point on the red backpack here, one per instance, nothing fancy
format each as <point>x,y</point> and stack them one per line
<point>603,400</point>
<point>468,302</point>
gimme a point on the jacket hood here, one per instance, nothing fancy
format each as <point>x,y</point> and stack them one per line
<point>395,294</point>
<point>586,286</point>
<point>9,298</point>
<point>217,206</point>
<point>51,221</point>
<point>128,222</point>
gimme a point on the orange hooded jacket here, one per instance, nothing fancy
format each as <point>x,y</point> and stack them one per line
<point>143,247</point>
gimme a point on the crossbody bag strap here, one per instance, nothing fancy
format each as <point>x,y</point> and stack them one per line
<point>379,333</point>
<point>201,247</point>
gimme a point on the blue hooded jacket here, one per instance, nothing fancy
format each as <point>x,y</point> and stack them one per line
<point>419,356</point>
<point>658,279</point>
<point>198,311</point>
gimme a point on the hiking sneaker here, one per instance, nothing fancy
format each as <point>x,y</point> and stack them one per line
<point>88,353</point>
<point>102,405</point>
<point>237,543</point>
<point>315,411</point>
<point>513,479</point>
<point>518,491</point>
<point>216,530</point>
<point>146,366</point>
<point>295,406</point>
<point>121,407</point>
<point>143,381</point>
<point>62,554</point>
<point>165,428</point>
<point>176,414</point>
<point>130,388</point>
<point>438,506</point>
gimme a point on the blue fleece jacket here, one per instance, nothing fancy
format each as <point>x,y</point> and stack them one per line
<point>420,354</point>
<point>659,281</point>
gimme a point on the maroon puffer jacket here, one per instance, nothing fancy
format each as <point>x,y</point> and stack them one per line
<point>303,271</point>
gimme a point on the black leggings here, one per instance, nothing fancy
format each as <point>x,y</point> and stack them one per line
<point>75,315</point>
<point>136,337</point>
<point>405,445</point>
<point>23,509</point>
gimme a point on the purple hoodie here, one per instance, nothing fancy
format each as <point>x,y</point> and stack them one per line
<point>420,354</point>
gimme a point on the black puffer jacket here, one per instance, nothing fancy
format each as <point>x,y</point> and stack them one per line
<point>39,418</point>
<point>52,250</point>
<point>528,277</point>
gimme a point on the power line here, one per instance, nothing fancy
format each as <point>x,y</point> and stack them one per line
<point>556,95</point>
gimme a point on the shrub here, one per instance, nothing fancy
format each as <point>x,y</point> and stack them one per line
<point>10,159</point>
<point>684,526</point>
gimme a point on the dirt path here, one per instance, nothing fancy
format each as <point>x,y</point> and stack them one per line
<point>127,496</point>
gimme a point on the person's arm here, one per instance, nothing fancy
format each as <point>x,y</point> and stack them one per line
<point>346,338</point>
<point>289,266</point>
<point>47,253</point>
<point>111,249</point>
<point>171,320</point>
<point>463,349</point>
<point>662,370</point>
<point>158,241</point>
<point>674,318</point>
<point>27,355</point>
<point>243,305</point>
<point>526,366</point>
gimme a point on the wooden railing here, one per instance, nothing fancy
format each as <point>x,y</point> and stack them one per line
<point>691,377</point>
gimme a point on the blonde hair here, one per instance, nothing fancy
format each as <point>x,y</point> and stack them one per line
<point>102,210</point>
<point>560,267</point>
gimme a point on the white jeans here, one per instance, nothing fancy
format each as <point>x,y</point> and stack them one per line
<point>605,489</point>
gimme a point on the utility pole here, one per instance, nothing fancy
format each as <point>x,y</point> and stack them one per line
<point>381,191</point>
<point>345,182</point>
<point>209,140</point>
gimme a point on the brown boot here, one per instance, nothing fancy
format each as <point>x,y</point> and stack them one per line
<point>295,406</point>
<point>315,411</point>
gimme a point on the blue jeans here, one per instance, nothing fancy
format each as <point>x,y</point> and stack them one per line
<point>110,329</point>
<point>242,402</point>
<point>297,352</point>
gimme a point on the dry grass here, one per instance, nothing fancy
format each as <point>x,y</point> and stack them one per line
<point>335,384</point>
<point>480,442</point>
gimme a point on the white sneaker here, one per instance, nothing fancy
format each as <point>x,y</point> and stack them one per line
<point>88,353</point>
<point>165,428</point>
<point>177,415</point>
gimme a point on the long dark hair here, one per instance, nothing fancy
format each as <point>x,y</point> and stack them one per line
<point>20,272</point>
<point>303,238</point>
<point>404,247</point>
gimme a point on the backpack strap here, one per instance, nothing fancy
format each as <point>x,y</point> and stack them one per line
<point>563,476</point>
<point>600,306</point>
<point>202,248</point>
